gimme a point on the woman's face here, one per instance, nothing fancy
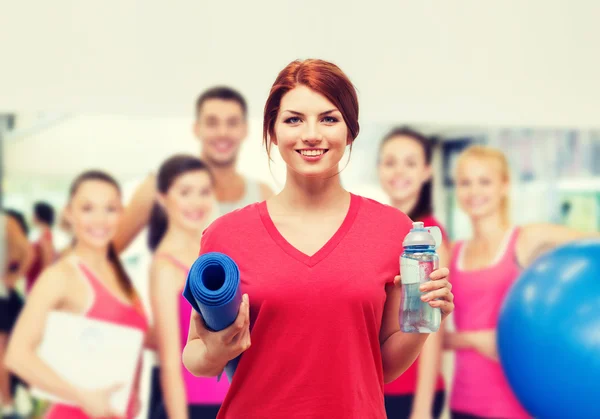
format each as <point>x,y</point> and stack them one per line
<point>480,187</point>
<point>310,133</point>
<point>94,212</point>
<point>189,201</point>
<point>403,168</point>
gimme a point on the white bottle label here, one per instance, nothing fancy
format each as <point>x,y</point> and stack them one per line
<point>409,270</point>
<point>437,235</point>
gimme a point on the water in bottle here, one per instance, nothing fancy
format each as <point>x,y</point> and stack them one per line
<point>417,262</point>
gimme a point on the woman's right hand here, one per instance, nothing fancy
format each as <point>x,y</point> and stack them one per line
<point>97,403</point>
<point>226,344</point>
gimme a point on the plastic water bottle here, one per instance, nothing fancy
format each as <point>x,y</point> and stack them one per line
<point>417,262</point>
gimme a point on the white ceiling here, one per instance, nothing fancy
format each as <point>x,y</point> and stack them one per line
<point>460,62</point>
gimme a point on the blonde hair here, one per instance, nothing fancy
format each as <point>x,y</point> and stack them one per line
<point>482,152</point>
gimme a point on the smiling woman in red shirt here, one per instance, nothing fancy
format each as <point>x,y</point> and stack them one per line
<point>319,271</point>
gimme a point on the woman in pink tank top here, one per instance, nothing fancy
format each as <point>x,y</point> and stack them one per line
<point>404,168</point>
<point>482,271</point>
<point>185,203</point>
<point>91,282</point>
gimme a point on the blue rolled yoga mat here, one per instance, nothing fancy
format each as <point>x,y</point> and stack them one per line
<point>213,289</point>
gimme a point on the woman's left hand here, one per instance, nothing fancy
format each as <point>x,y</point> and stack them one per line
<point>438,292</point>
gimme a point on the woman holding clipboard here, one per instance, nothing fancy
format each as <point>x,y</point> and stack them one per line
<point>90,282</point>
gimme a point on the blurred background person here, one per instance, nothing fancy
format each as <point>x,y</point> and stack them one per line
<point>90,282</point>
<point>18,256</point>
<point>482,270</point>
<point>185,202</point>
<point>44,253</point>
<point>405,174</point>
<point>128,118</point>
<point>220,126</point>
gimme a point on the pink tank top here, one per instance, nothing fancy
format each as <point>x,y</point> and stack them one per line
<point>199,390</point>
<point>108,307</point>
<point>480,387</point>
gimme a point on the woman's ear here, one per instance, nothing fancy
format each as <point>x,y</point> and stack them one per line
<point>350,140</point>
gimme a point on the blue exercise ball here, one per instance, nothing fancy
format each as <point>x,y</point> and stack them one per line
<point>549,333</point>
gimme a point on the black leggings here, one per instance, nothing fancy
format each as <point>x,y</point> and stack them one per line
<point>156,408</point>
<point>458,415</point>
<point>399,407</point>
<point>10,308</point>
<point>195,411</point>
<point>156,398</point>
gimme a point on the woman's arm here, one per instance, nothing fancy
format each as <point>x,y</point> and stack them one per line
<point>21,357</point>
<point>398,350</point>
<point>483,341</point>
<point>151,339</point>
<point>164,294</point>
<point>195,352</point>
<point>430,362</point>
<point>207,353</point>
<point>536,239</point>
<point>20,246</point>
<point>48,294</point>
<point>136,214</point>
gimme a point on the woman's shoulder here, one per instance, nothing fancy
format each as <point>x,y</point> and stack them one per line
<point>65,266</point>
<point>233,223</point>
<point>61,273</point>
<point>385,213</point>
<point>238,216</point>
<point>165,275</point>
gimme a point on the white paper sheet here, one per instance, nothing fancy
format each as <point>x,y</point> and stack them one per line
<point>91,354</point>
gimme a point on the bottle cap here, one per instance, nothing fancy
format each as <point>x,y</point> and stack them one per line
<point>420,235</point>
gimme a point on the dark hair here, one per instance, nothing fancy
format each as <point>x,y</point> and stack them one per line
<point>19,218</point>
<point>113,257</point>
<point>169,171</point>
<point>44,213</point>
<point>424,205</point>
<point>223,93</point>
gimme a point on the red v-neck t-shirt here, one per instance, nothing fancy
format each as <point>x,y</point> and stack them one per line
<point>315,320</point>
